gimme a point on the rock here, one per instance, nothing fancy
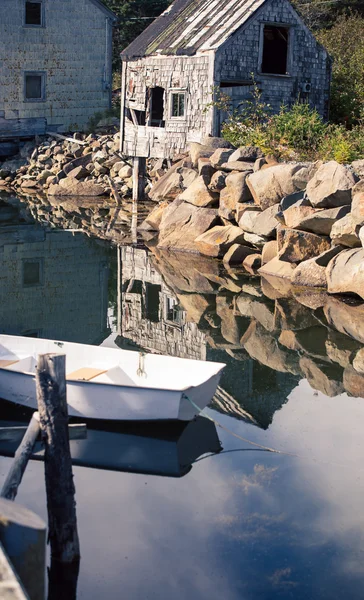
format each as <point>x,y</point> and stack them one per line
<point>259,164</point>
<point>169,186</point>
<point>357,208</point>
<point>346,232</point>
<point>13,164</point>
<point>153,220</point>
<point>199,195</point>
<point>269,186</point>
<point>220,156</point>
<point>322,221</point>
<point>216,142</point>
<point>323,377</point>
<point>275,287</point>
<point>295,246</point>
<point>253,262</point>
<point>205,169</point>
<point>358,362</point>
<point>195,306</point>
<point>72,187</point>
<point>278,268</point>
<point>358,166</point>
<point>292,199</point>
<point>295,214</point>
<point>361,236</point>
<point>217,241</point>
<point>340,348</point>
<point>270,251</point>
<point>78,173</point>
<point>345,273</point>
<point>82,161</point>
<point>354,382</point>
<point>198,151</point>
<point>312,272</point>
<point>217,181</point>
<point>331,186</point>
<point>44,175</point>
<point>235,192</point>
<point>255,240</point>
<point>28,184</point>
<point>125,172</point>
<point>182,223</point>
<point>346,318</point>
<point>237,166</point>
<point>236,254</point>
<point>241,207</point>
<point>261,223</point>
<point>246,153</point>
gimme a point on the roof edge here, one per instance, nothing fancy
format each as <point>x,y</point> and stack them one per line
<point>104,9</point>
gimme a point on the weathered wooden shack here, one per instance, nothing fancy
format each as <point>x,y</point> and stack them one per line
<point>197,46</point>
<point>55,64</point>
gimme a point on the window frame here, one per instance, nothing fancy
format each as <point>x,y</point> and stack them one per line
<point>42,14</point>
<point>179,92</point>
<point>290,30</point>
<point>40,262</point>
<point>43,76</point>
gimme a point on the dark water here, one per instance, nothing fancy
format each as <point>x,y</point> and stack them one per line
<point>163,514</point>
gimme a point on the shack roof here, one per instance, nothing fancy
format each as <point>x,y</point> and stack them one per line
<point>188,26</point>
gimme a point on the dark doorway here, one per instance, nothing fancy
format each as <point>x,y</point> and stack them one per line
<point>152,302</point>
<point>156,104</point>
<point>275,50</point>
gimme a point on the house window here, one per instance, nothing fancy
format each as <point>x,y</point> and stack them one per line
<point>178,105</point>
<point>152,293</point>
<point>32,272</point>
<point>156,106</point>
<point>34,13</point>
<point>275,50</point>
<point>172,312</point>
<point>34,87</point>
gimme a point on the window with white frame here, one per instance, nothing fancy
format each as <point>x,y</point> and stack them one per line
<point>34,86</point>
<point>178,105</point>
<point>34,13</point>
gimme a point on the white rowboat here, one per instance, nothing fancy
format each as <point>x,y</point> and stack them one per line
<point>111,384</point>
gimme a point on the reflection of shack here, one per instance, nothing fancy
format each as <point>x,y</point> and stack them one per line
<point>52,285</point>
<point>152,318</point>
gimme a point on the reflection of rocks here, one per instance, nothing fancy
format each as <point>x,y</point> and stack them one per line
<point>264,348</point>
<point>323,377</point>
<point>346,318</point>
<point>354,382</point>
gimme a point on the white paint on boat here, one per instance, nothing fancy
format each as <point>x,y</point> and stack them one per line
<point>129,386</point>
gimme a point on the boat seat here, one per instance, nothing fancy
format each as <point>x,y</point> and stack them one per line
<point>7,363</point>
<point>85,374</point>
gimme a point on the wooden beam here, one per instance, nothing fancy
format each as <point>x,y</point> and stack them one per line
<point>67,139</point>
<point>15,434</point>
<point>53,412</point>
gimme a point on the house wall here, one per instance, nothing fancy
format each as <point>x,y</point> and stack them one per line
<point>72,302</point>
<point>308,61</point>
<point>190,73</point>
<point>73,49</point>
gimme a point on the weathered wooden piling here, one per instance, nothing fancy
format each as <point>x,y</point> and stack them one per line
<point>23,537</point>
<point>21,459</point>
<point>53,412</point>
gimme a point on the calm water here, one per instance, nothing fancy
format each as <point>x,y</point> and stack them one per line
<point>166,515</point>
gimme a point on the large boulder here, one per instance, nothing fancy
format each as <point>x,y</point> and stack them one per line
<point>220,156</point>
<point>261,223</point>
<point>72,187</point>
<point>81,161</point>
<point>217,241</point>
<point>246,153</point>
<point>331,186</point>
<point>153,220</point>
<point>177,179</point>
<point>198,151</point>
<point>345,273</point>
<point>182,223</point>
<point>345,232</point>
<point>237,165</point>
<point>312,272</point>
<point>278,268</point>
<point>237,254</point>
<point>270,251</point>
<point>346,318</point>
<point>295,246</point>
<point>235,192</point>
<point>358,166</point>
<point>199,195</point>
<point>357,208</point>
<point>270,186</point>
<point>317,221</point>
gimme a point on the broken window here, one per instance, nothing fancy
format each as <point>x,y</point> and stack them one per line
<point>34,13</point>
<point>32,272</point>
<point>178,105</point>
<point>156,106</point>
<point>275,50</point>
<point>34,86</point>
<point>152,293</point>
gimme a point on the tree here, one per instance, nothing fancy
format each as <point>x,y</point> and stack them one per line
<point>133,17</point>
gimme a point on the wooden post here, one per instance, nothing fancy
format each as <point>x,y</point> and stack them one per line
<point>52,407</point>
<point>122,104</point>
<point>23,535</point>
<point>139,170</point>
<point>118,291</point>
<point>22,456</point>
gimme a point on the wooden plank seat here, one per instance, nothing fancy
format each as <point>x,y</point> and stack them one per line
<point>7,363</point>
<point>85,374</point>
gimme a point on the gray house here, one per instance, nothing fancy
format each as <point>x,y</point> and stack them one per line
<point>55,64</point>
<point>195,46</point>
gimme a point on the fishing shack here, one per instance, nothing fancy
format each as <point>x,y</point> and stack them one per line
<point>198,47</point>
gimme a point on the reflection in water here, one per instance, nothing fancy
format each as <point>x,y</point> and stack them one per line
<point>243,523</point>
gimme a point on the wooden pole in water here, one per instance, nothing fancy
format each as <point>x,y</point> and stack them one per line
<point>52,407</point>
<point>21,459</point>
<point>139,170</point>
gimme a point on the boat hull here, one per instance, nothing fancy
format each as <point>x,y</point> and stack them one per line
<point>114,403</point>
